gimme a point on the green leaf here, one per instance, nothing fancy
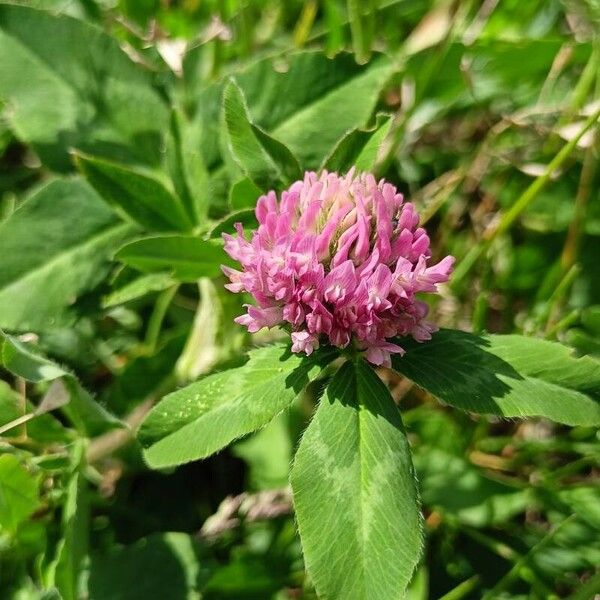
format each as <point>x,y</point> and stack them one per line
<point>262,158</point>
<point>355,492</point>
<point>302,100</point>
<point>136,196</point>
<point>54,247</point>
<point>138,288</point>
<point>163,565</point>
<point>243,194</point>
<point>186,166</point>
<point>68,85</point>
<point>358,148</point>
<point>585,501</point>
<point>246,216</point>
<point>89,417</point>
<point>65,570</point>
<point>505,375</point>
<point>19,495</point>
<point>315,127</point>
<point>187,257</point>
<point>206,416</point>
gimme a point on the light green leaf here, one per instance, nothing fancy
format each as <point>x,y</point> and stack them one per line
<point>19,495</point>
<point>246,216</point>
<point>243,194</point>
<point>138,288</point>
<point>358,148</point>
<point>68,84</point>
<point>89,417</point>
<point>355,492</point>
<point>206,416</point>
<point>54,247</point>
<point>505,375</point>
<point>163,565</point>
<point>186,166</point>
<point>262,158</point>
<point>136,196</point>
<point>187,257</point>
<point>585,501</point>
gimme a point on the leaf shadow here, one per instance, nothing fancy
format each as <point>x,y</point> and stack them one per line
<point>304,374</point>
<point>158,566</point>
<point>458,367</point>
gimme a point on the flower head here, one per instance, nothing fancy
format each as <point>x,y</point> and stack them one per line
<point>339,259</point>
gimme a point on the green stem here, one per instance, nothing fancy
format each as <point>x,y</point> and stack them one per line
<point>361,27</point>
<point>305,23</point>
<point>502,550</point>
<point>584,191</point>
<point>561,325</point>
<point>557,296</point>
<point>532,191</point>
<point>462,589</point>
<point>157,317</point>
<point>586,81</point>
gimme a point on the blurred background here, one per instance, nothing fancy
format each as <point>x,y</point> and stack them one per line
<point>482,124</point>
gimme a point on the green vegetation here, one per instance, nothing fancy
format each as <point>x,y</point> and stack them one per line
<point>132,134</point>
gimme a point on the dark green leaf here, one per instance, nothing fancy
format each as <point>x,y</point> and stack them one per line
<point>186,166</point>
<point>65,570</point>
<point>243,194</point>
<point>307,101</point>
<point>505,375</point>
<point>135,195</point>
<point>246,216</point>
<point>164,565</point>
<point>143,375</point>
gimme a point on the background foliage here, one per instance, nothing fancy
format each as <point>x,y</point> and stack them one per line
<point>133,133</point>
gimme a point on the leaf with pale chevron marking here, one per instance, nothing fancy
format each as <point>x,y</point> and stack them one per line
<point>355,492</point>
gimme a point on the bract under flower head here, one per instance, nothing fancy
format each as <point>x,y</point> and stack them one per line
<point>340,260</point>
